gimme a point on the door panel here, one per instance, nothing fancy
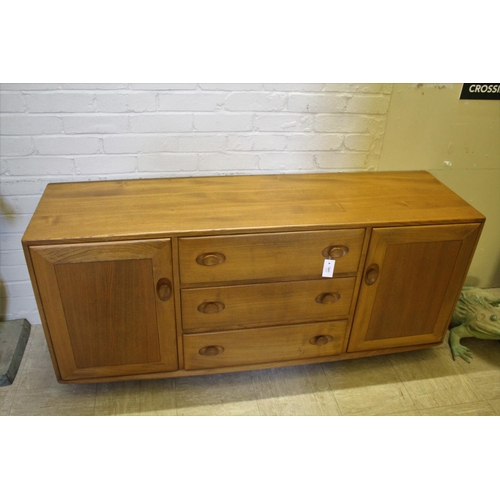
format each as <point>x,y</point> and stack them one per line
<point>106,313</point>
<point>412,279</point>
<point>107,306</point>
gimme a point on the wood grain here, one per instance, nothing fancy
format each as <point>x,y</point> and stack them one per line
<point>247,306</point>
<point>103,312</point>
<point>268,256</point>
<point>263,345</point>
<point>129,274</point>
<point>421,270</point>
<point>153,208</point>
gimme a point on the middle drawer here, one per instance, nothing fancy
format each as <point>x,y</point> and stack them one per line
<point>266,304</point>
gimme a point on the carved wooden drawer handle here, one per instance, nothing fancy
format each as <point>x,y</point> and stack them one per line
<point>164,289</point>
<point>335,252</point>
<point>371,275</point>
<point>210,259</point>
<point>211,350</point>
<point>321,340</point>
<point>211,307</point>
<point>328,298</point>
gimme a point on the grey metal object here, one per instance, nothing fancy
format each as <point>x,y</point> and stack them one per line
<point>13,339</point>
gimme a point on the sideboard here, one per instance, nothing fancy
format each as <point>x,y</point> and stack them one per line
<point>153,278</point>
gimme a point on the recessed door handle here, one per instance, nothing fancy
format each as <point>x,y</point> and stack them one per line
<point>371,275</point>
<point>164,289</point>
<point>211,307</point>
<point>210,259</point>
<point>335,252</point>
<point>211,350</point>
<point>328,298</point>
<point>321,340</point>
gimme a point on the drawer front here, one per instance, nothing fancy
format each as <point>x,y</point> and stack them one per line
<point>247,306</point>
<point>268,256</point>
<point>263,345</point>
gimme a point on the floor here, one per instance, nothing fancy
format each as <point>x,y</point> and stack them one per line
<point>426,382</point>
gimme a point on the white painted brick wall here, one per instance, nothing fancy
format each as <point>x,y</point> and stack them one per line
<point>98,124</point>
<point>223,122</point>
<point>28,124</point>
<point>161,122</point>
<point>125,102</point>
<point>60,132</point>
<point>16,146</point>
<point>60,102</point>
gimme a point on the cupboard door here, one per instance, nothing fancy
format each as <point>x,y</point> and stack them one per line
<point>109,307</point>
<point>411,282</point>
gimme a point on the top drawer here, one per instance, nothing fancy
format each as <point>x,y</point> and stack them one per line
<point>297,255</point>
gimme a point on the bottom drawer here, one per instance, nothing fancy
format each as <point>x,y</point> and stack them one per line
<point>263,345</point>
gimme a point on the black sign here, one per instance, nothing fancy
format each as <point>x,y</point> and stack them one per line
<point>490,91</point>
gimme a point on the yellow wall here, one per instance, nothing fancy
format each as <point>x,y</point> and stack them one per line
<point>458,141</point>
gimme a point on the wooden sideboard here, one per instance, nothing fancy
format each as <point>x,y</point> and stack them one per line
<point>154,278</point>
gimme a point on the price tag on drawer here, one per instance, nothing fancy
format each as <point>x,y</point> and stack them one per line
<point>328,268</point>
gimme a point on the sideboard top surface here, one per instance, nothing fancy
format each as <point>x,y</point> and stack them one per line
<point>147,208</point>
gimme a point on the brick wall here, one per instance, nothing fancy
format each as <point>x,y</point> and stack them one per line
<point>78,132</point>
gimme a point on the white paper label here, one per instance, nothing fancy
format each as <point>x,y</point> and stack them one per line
<point>328,268</point>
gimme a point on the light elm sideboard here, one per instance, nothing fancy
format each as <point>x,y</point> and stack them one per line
<point>139,279</point>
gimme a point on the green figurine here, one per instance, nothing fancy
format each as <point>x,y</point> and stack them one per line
<point>477,314</point>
